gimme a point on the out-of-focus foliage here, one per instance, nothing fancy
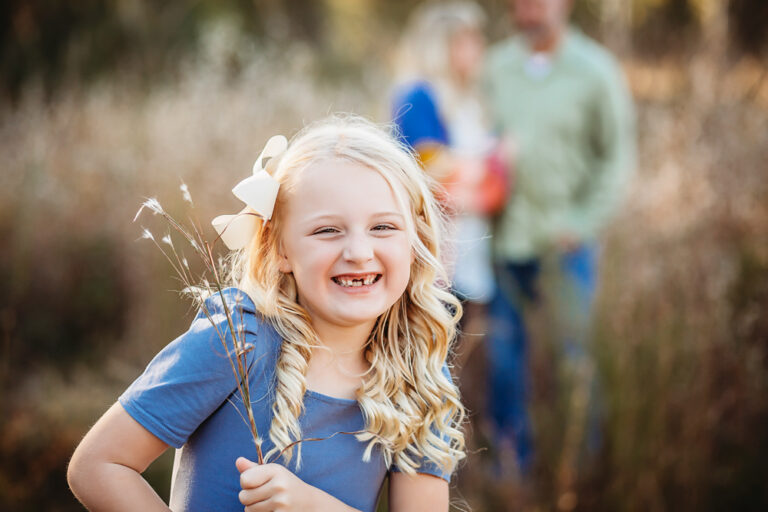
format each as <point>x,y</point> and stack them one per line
<point>62,41</point>
<point>58,42</point>
<point>106,103</point>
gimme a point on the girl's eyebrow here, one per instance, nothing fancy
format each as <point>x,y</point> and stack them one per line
<point>388,214</point>
<point>332,217</point>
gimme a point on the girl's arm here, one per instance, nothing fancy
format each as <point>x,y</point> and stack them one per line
<point>416,493</point>
<point>105,470</point>
<point>271,487</point>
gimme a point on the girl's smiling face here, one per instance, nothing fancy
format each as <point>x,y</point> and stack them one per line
<point>345,240</point>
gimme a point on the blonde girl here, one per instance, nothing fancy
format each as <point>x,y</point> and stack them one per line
<point>342,299</point>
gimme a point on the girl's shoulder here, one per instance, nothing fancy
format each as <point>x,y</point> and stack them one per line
<point>234,298</point>
<point>193,375</point>
<point>238,303</point>
<point>233,308</point>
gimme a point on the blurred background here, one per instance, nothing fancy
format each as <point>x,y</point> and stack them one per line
<point>104,103</point>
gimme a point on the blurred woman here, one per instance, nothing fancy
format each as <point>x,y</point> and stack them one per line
<point>437,108</point>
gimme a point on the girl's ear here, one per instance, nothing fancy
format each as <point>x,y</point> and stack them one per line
<point>283,265</point>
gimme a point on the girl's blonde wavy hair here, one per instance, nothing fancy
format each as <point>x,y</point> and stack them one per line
<point>410,405</point>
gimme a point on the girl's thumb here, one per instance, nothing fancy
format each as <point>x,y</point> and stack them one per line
<point>242,464</point>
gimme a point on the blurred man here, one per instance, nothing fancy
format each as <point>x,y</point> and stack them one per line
<point>561,101</point>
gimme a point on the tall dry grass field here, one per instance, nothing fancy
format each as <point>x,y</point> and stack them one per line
<point>682,327</point>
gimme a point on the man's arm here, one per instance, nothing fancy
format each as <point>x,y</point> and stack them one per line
<point>613,145</point>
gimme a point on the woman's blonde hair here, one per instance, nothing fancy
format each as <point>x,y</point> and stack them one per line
<point>410,405</point>
<point>423,52</point>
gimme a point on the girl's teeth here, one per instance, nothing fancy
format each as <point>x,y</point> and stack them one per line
<point>367,280</point>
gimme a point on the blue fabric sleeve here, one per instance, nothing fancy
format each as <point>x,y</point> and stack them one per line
<point>192,376</point>
<point>427,466</point>
<point>416,115</point>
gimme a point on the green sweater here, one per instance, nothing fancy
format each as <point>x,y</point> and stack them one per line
<point>573,128</point>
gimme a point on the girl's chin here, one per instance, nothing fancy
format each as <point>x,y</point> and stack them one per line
<point>359,319</point>
<point>352,317</point>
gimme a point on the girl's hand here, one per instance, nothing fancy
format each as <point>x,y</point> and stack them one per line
<point>272,487</point>
<point>269,487</point>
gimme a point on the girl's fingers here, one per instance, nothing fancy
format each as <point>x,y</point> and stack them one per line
<point>256,476</point>
<point>254,496</point>
<point>265,487</point>
<point>242,464</point>
<point>264,506</point>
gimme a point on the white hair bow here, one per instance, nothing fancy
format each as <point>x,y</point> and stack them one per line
<point>258,192</point>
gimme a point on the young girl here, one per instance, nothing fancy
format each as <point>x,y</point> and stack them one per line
<point>341,297</point>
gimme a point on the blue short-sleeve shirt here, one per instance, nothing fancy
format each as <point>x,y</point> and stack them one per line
<point>187,397</point>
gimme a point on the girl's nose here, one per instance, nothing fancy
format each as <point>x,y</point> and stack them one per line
<point>358,249</point>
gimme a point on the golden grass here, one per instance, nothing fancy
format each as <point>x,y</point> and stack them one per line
<point>680,345</point>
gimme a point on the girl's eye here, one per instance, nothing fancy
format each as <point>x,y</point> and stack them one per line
<point>323,231</point>
<point>384,227</point>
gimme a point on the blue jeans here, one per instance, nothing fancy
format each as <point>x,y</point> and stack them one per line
<point>518,284</point>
